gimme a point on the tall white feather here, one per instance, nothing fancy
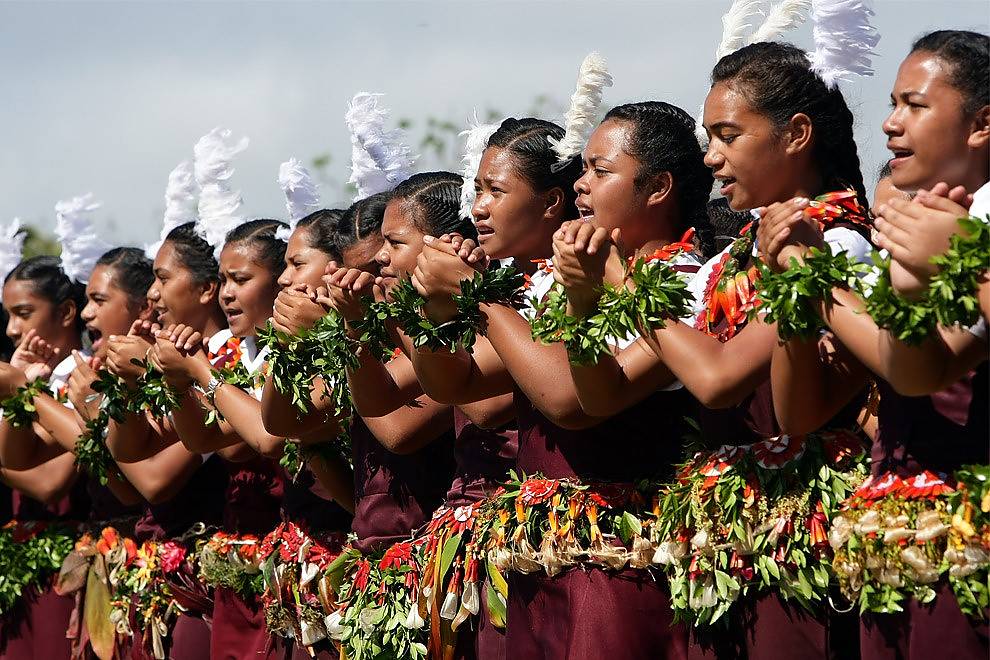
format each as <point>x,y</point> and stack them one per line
<point>219,205</point>
<point>735,24</point>
<point>580,118</point>
<point>782,17</point>
<point>844,39</point>
<point>81,247</point>
<point>475,140</point>
<point>380,158</point>
<point>301,194</point>
<point>11,249</point>
<point>181,200</point>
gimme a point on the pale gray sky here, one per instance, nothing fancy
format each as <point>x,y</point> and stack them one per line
<point>109,97</point>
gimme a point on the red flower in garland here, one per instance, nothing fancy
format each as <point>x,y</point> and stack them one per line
<point>463,518</point>
<point>840,445</point>
<point>816,529</point>
<point>441,518</point>
<point>730,292</point>
<point>924,486</point>
<point>609,496</point>
<point>774,453</point>
<point>396,556</point>
<point>668,251</point>
<point>25,531</point>
<point>888,484</point>
<point>227,355</point>
<point>840,205</point>
<point>172,555</point>
<point>720,461</point>
<point>537,491</point>
<point>362,574</point>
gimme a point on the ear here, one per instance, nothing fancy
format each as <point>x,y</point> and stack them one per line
<point>553,205</point>
<point>798,134</point>
<point>662,187</point>
<point>979,135</point>
<point>208,292</point>
<point>67,313</point>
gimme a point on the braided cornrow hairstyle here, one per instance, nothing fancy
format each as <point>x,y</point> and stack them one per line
<point>663,140</point>
<point>132,272</point>
<point>434,200</point>
<point>361,220</point>
<point>194,253</point>
<point>777,81</point>
<point>528,140</point>
<point>968,55</point>
<point>322,227</point>
<point>260,234</point>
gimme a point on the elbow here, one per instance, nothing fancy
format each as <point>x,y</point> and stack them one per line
<point>716,392</point>
<point>271,447</point>
<point>914,387</point>
<point>568,414</point>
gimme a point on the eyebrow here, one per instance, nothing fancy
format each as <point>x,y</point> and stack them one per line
<point>719,125</point>
<point>594,158</point>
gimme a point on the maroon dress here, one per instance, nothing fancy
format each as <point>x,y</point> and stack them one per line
<point>37,626</point>
<point>766,627</point>
<point>940,432</point>
<point>253,498</point>
<point>200,501</point>
<point>395,493</point>
<point>483,458</point>
<point>595,613</point>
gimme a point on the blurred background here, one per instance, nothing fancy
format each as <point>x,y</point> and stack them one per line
<point>107,97</point>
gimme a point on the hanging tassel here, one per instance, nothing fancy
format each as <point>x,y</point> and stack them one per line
<point>449,608</point>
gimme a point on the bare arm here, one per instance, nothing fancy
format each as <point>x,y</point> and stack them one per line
<point>490,413</point>
<point>48,482</point>
<point>162,476</point>
<point>413,426</point>
<point>282,418</point>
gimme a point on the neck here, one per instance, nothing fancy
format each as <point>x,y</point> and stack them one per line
<point>809,186</point>
<point>665,232</point>
<point>71,343</point>
<point>214,323</point>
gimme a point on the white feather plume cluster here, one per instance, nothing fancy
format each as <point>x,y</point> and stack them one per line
<point>736,25</point>
<point>475,141</point>
<point>301,194</point>
<point>181,200</point>
<point>11,249</point>
<point>844,39</point>
<point>81,247</point>
<point>580,118</point>
<point>219,205</point>
<point>380,158</point>
<point>782,17</point>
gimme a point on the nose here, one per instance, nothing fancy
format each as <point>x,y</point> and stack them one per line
<point>88,312</point>
<point>153,294</point>
<point>713,157</point>
<point>227,291</point>
<point>581,185</point>
<point>285,279</point>
<point>383,258</point>
<point>892,125</point>
<point>480,209</point>
<point>14,330</point>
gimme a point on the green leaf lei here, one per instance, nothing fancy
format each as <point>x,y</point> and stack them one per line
<point>951,295</point>
<point>30,552</point>
<point>153,393</point>
<point>19,410</point>
<point>785,298</point>
<point>495,285</point>
<point>659,293</point>
<point>239,377</point>
<point>92,454</point>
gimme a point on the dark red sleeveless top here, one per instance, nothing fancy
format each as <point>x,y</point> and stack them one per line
<point>201,500</point>
<point>939,432</point>
<point>482,458</point>
<point>395,494</point>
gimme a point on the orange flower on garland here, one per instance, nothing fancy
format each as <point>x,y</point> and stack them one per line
<point>924,486</point>
<point>774,453</point>
<point>730,292</point>
<point>228,355</point>
<point>537,491</point>
<point>665,253</point>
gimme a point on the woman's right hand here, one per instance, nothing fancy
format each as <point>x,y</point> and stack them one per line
<point>35,356</point>
<point>347,288</point>
<point>178,353</point>
<point>79,386</point>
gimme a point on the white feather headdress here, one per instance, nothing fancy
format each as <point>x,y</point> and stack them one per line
<point>301,194</point>
<point>11,249</point>
<point>181,202</point>
<point>784,16</point>
<point>844,39</point>
<point>475,141</point>
<point>380,158</point>
<point>580,118</point>
<point>81,247</point>
<point>218,204</point>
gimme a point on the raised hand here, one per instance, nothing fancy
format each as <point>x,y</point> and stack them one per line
<point>35,356</point>
<point>347,288</point>
<point>10,379</point>
<point>178,353</point>
<point>581,254</point>
<point>79,387</point>
<point>125,356</point>
<point>915,231</point>
<point>295,310</point>
<point>786,232</point>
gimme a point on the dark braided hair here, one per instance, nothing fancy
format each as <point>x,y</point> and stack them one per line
<point>51,283</point>
<point>194,253</point>
<point>528,140</point>
<point>322,228</point>
<point>435,201</point>
<point>663,140</point>
<point>362,219</point>
<point>968,53</point>
<point>777,81</point>
<point>260,234</point>
<point>132,272</point>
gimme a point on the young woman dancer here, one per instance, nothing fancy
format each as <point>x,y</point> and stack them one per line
<point>937,133</point>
